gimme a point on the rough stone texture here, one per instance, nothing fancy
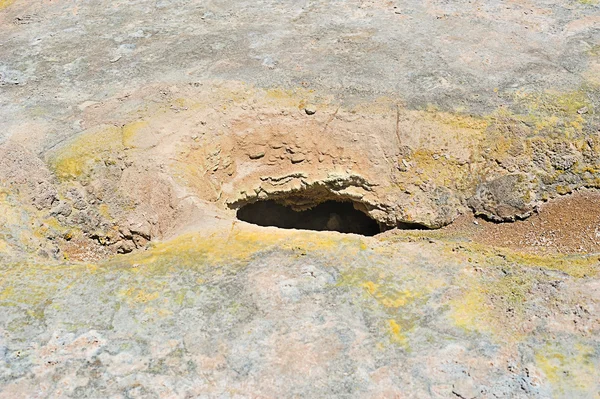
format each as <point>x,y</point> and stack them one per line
<point>242,312</point>
<point>506,198</point>
<point>124,124</point>
<point>434,96</point>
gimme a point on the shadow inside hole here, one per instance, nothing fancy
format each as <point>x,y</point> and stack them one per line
<point>326,216</point>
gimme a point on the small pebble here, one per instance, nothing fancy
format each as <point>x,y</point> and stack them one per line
<point>297,158</point>
<point>310,109</point>
<point>257,155</point>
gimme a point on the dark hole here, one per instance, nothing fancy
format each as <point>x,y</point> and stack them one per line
<point>327,216</point>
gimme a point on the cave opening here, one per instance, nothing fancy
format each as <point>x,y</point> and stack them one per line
<point>326,216</point>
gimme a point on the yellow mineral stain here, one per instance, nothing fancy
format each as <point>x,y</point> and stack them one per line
<point>5,3</point>
<point>6,293</point>
<point>402,299</point>
<point>136,295</point>
<point>371,287</point>
<point>4,248</point>
<point>160,312</point>
<point>470,310</point>
<point>92,268</point>
<point>238,246</point>
<point>547,109</point>
<point>570,370</point>
<point>22,283</point>
<point>392,298</point>
<point>485,305</point>
<point>394,327</point>
<point>78,155</point>
<point>50,224</point>
<point>10,214</point>
<point>104,210</point>
<point>180,297</point>
<point>194,250</point>
<point>130,130</point>
<point>454,173</point>
<point>396,334</point>
<point>573,265</point>
<point>461,121</point>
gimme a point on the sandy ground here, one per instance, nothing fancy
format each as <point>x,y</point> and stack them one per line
<point>567,225</point>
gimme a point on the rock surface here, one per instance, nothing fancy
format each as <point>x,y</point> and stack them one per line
<point>132,132</point>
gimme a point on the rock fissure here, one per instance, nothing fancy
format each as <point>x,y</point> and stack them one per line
<point>343,217</point>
